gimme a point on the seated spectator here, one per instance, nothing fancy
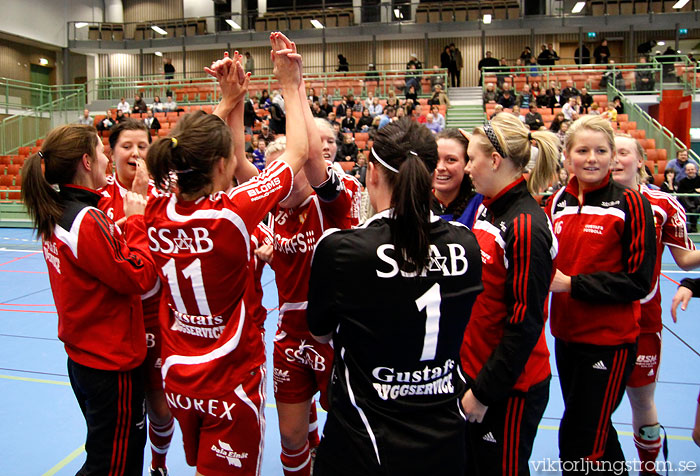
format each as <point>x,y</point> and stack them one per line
<point>265,99</point>
<point>266,134</point>
<point>569,91</point>
<point>277,116</point>
<point>556,123</point>
<point>408,107</point>
<point>317,111</point>
<point>369,99</point>
<point>496,111</point>
<point>372,74</point>
<point>139,105</point>
<point>490,95</point>
<point>644,76</point>
<point>437,78</point>
<point>341,107</point>
<point>350,101</point>
<point>312,95</point>
<point>375,109</point>
<point>259,155</point>
<point>386,117</point>
<point>432,124</point>
<point>439,118</point>
<point>348,123</point>
<point>502,73</point>
<point>121,117</point>
<point>359,171</point>
<point>533,67</point>
<point>542,99</point>
<point>570,109</point>
<point>151,121</point>
<point>123,106</point>
<point>516,112</point>
<point>612,76</point>
<point>525,98</point>
<point>555,100</point>
<point>611,113</point>
<point>594,109</point>
<point>418,114</point>
<point>439,97</point>
<point>411,93</point>
<point>561,133</point>
<point>586,101</point>
<point>365,121</point>
<point>251,146</point>
<point>157,105</point>
<point>86,119</point>
<point>690,184</point>
<point>669,183</point>
<point>169,105</point>
<point>678,164</point>
<point>506,100</point>
<point>617,102</point>
<point>347,152</point>
<point>326,106</point>
<point>412,77</point>
<point>562,180</point>
<point>401,112</point>
<point>533,119</point>
<point>391,99</point>
<point>333,119</point>
<point>107,123</point>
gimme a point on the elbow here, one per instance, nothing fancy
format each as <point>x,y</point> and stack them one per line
<point>323,339</point>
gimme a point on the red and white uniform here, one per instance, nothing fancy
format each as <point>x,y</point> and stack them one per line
<point>212,348</point>
<point>354,190</point>
<point>261,236</point>
<point>302,366</point>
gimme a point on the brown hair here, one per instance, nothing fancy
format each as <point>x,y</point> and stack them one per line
<point>127,125</point>
<point>189,153</point>
<point>62,151</point>
<point>466,189</point>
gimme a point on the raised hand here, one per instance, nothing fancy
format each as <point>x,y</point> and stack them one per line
<point>286,61</point>
<point>232,79</point>
<point>140,183</point>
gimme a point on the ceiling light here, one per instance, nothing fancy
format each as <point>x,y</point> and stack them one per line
<point>680,4</point>
<point>158,53</point>
<point>158,29</point>
<point>397,13</point>
<point>578,7</point>
<point>487,19</point>
<point>44,61</point>
<point>317,24</point>
<point>233,24</point>
<point>661,43</point>
<point>81,24</point>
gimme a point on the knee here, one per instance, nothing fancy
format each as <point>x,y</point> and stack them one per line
<point>293,438</point>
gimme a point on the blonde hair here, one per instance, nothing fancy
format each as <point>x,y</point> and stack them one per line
<point>322,123</point>
<point>593,124</point>
<point>277,145</point>
<point>642,174</point>
<point>514,139</point>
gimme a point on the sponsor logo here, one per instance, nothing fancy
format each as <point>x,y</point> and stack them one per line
<point>195,240</point>
<point>489,437</point>
<point>216,408</point>
<point>595,229</point>
<point>280,376</point>
<point>610,204</point>
<point>306,355</point>
<point>392,384</point>
<point>600,365</point>
<point>647,361</point>
<point>51,255</point>
<point>265,189</point>
<point>225,451</point>
<point>300,243</point>
<point>456,265</point>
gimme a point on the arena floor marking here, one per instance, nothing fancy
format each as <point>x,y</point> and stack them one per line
<point>34,380</point>
<point>77,452</point>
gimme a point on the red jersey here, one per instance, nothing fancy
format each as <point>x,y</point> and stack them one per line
<point>202,252</point>
<point>354,190</point>
<point>112,204</point>
<point>96,276</point>
<point>669,222</point>
<point>261,236</point>
<point>296,231</point>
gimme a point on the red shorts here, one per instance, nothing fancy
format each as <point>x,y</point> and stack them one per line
<point>646,367</point>
<point>223,436</point>
<point>154,378</point>
<point>302,367</point>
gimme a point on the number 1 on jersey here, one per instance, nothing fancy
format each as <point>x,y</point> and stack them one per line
<point>430,301</point>
<point>193,272</point>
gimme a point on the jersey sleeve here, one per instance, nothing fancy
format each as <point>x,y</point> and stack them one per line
<point>528,251</point>
<point>320,314</point>
<point>124,265</point>
<point>674,232</point>
<point>255,198</point>
<point>338,211</point>
<point>693,284</point>
<point>639,256</point>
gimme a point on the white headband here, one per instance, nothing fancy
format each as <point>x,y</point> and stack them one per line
<point>381,161</point>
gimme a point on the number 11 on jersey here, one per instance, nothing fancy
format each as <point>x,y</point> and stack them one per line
<point>430,301</point>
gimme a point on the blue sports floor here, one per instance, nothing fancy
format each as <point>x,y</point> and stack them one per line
<point>42,431</point>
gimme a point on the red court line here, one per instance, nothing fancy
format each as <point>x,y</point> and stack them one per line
<point>11,304</point>
<point>24,310</point>
<point>21,257</point>
<point>671,279</point>
<point>18,271</point>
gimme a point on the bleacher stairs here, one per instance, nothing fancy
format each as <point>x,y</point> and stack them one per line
<point>466,109</point>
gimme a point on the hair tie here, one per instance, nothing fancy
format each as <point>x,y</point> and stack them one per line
<point>414,154</point>
<point>379,159</point>
<point>173,142</point>
<point>41,155</point>
<point>491,135</point>
<point>186,171</point>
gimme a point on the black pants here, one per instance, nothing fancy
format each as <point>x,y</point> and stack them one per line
<point>455,79</point>
<point>113,404</point>
<point>593,380</point>
<point>502,443</point>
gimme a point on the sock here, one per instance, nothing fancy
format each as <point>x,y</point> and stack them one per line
<point>160,437</point>
<point>648,443</point>
<point>313,427</point>
<point>296,462</point>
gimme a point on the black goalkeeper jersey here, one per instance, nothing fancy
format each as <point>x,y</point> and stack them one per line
<point>397,382</point>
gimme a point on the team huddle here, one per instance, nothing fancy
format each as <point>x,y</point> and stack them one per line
<point>425,336</point>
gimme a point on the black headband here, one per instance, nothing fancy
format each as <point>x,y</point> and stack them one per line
<point>488,130</point>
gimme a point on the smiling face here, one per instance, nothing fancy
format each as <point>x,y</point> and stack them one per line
<point>480,166</point>
<point>131,145</point>
<point>328,144</point>
<point>449,172</point>
<point>98,168</point>
<point>627,162</point>
<point>590,157</point>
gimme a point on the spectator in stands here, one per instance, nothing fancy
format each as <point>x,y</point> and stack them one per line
<point>439,118</point>
<point>496,111</point>
<point>157,104</point>
<point>249,63</point>
<point>533,67</point>
<point>555,100</point>
<point>617,102</point>
<point>644,76</point>
<point>586,100</point>
<point>347,152</point>
<point>86,119</point>
<point>139,105</point>
<point>525,98</point>
<point>411,93</point>
<point>445,58</point>
<point>542,99</point>
<point>533,119</point>
<point>359,171</point>
<point>418,115</point>
<point>412,79</point>
<point>259,155</point>
<point>317,111</point>
<point>350,101</point>
<point>569,91</point>
<point>437,78</point>
<point>333,119</point>
<point>414,66</point>
<point>121,117</point>
<point>612,76</point>
<point>348,123</point>
<point>151,121</point>
<point>553,56</point>
<point>526,55</point>
<point>372,74</point>
<point>439,97</point>
<point>562,180</point>
<point>249,116</point>
<point>570,110</point>
<point>391,99</point>
<point>611,113</point>
<point>123,106</point>
<point>265,99</point>
<point>594,110</point>
<point>506,99</point>
<point>387,116</point>
<point>365,121</point>
<point>502,73</point>
<point>368,100</point>
<point>312,96</point>
<point>401,112</point>
<point>168,68</point>
<point>669,183</point>
<point>432,124</point>
<point>107,123</point>
<point>490,95</point>
<point>644,49</point>
<point>602,53</point>
<point>266,134</point>
<point>456,64</point>
<point>375,109</point>
<point>169,105</point>
<point>341,107</point>
<point>251,146</point>
<point>556,123</point>
<point>543,58</point>
<point>278,100</point>
<point>342,63</point>
<point>326,106</point>
<point>678,164</point>
<point>486,62</point>
<point>690,184</point>
<point>561,133</point>
<point>583,56</point>
<point>516,112</point>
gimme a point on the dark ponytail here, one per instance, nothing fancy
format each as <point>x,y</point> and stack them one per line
<point>189,153</point>
<point>62,151</point>
<point>411,149</point>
